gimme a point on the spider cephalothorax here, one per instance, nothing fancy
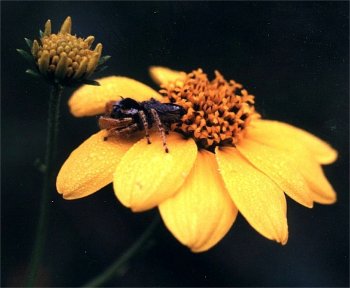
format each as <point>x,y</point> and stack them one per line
<point>127,116</point>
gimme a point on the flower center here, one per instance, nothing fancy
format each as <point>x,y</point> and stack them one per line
<point>76,52</point>
<point>217,111</point>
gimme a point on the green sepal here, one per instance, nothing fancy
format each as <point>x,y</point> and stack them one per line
<point>41,33</point>
<point>33,73</point>
<point>26,55</point>
<point>100,69</point>
<point>29,43</point>
<point>103,60</point>
<point>90,82</point>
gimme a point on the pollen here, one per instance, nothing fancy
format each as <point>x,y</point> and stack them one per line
<point>65,56</point>
<point>218,111</point>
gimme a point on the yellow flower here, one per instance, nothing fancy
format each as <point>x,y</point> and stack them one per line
<point>64,58</point>
<point>223,159</point>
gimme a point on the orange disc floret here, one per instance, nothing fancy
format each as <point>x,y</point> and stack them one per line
<point>218,111</point>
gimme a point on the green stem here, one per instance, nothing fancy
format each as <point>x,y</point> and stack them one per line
<point>110,272</point>
<point>51,143</point>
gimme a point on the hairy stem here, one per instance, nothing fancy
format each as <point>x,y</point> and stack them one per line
<point>51,143</point>
<point>111,271</point>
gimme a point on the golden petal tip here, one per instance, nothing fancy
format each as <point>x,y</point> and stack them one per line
<point>67,25</point>
<point>47,31</point>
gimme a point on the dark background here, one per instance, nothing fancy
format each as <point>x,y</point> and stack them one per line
<point>293,56</point>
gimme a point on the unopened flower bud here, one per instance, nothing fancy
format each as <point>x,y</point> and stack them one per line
<point>64,58</point>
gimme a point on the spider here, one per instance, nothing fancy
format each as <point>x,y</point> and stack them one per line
<point>128,116</point>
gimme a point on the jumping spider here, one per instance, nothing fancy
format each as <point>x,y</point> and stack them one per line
<point>127,116</point>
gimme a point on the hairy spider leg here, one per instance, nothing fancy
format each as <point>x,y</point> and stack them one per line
<point>160,128</point>
<point>109,123</point>
<point>127,130</point>
<point>117,131</point>
<point>145,125</point>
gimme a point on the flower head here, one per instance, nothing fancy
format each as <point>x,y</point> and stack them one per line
<point>223,159</point>
<point>217,110</point>
<point>64,58</point>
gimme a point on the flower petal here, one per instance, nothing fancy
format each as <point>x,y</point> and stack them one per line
<point>280,167</point>
<point>91,100</point>
<point>91,166</point>
<point>201,212</point>
<point>147,175</point>
<point>257,197</point>
<point>285,136</point>
<point>321,190</point>
<point>162,75</point>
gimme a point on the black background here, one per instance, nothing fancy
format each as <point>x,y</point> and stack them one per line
<point>293,56</point>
